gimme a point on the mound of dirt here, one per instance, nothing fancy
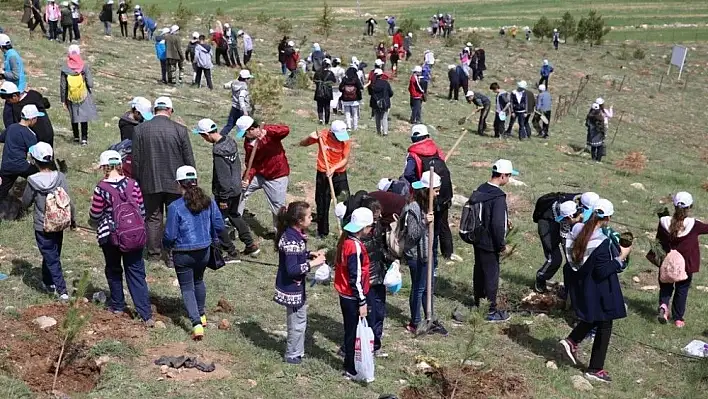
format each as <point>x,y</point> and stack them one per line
<point>634,162</point>
<point>553,299</point>
<point>469,383</point>
<point>30,353</point>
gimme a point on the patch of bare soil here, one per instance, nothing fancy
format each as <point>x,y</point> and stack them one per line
<point>203,355</point>
<point>30,353</point>
<point>481,164</point>
<point>542,303</point>
<point>305,192</point>
<point>517,203</point>
<point>469,383</point>
<point>496,145</point>
<point>634,162</point>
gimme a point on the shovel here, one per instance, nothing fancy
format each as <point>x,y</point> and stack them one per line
<point>466,118</point>
<point>429,323</point>
<point>249,164</point>
<point>542,116</point>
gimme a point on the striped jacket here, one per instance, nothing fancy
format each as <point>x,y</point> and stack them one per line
<point>351,278</point>
<point>101,213</point>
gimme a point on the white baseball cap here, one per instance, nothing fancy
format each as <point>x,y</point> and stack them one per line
<point>174,28</point>
<point>555,30</point>
<point>8,88</point>
<point>30,111</point>
<point>242,124</point>
<point>4,39</point>
<point>384,184</point>
<point>195,35</point>
<point>545,62</point>
<point>419,130</point>
<point>395,45</point>
<point>451,66</point>
<point>504,167</point>
<point>522,84</point>
<point>378,62</point>
<point>541,87</point>
<point>165,30</point>
<point>599,101</point>
<point>143,105</point>
<point>567,209</point>
<point>683,199</point>
<point>291,43</point>
<point>418,69</point>
<point>361,218</point>
<point>240,32</point>
<point>163,102</point>
<point>42,152</point>
<point>410,34</point>
<point>137,7</point>
<point>378,72</point>
<point>468,44</point>
<point>466,49</point>
<point>186,172</point>
<point>589,199</point>
<point>595,106</point>
<point>339,129</point>
<point>469,93</point>
<point>226,25</point>
<point>110,158</point>
<point>245,74</point>
<point>425,181</point>
<point>205,126</point>
<point>604,208</point>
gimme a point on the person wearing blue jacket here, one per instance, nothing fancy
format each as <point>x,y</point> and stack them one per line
<point>18,138</point>
<point>594,290</point>
<point>193,224</point>
<point>294,262</point>
<point>161,53</point>
<point>150,26</point>
<point>13,66</point>
<point>426,76</point>
<point>546,71</point>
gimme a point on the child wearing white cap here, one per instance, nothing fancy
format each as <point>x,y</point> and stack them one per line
<point>595,124</point>
<point>679,232</point>
<point>140,111</point>
<point>118,213</point>
<point>332,163</point>
<point>544,102</point>
<point>240,99</point>
<point>546,71</point>
<point>18,138</point>
<point>54,212</point>
<point>519,106</point>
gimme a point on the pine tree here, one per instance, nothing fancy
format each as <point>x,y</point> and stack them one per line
<point>542,28</point>
<point>567,26</point>
<point>596,29</point>
<point>326,22</point>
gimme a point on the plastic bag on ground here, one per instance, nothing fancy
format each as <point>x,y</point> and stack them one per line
<point>393,279</point>
<point>364,352</point>
<point>696,348</point>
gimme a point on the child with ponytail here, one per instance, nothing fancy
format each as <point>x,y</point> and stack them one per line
<point>294,262</point>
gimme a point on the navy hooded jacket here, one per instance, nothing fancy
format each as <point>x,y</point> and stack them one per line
<point>494,217</point>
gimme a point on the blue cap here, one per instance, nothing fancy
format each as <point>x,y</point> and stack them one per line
<point>586,214</point>
<point>417,185</point>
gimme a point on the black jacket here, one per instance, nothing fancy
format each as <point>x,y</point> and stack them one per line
<point>375,244</point>
<point>126,125</point>
<point>43,129</point>
<point>189,52</point>
<point>324,77</point>
<point>106,14</point>
<point>381,93</point>
<point>226,178</point>
<point>453,77</point>
<point>494,217</point>
<point>351,81</point>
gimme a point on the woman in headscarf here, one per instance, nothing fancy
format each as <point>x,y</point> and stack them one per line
<point>75,91</point>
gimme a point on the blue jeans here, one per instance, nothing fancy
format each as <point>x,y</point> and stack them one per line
<point>283,68</point>
<point>190,266</point>
<point>523,123</point>
<point>49,245</point>
<point>134,267</point>
<point>233,117</point>
<point>416,110</point>
<point>376,302</point>
<point>75,27</point>
<point>350,315</point>
<point>419,280</point>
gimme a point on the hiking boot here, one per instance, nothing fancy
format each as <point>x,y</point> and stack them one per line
<point>76,140</point>
<point>232,257</point>
<point>663,316</point>
<point>570,349</point>
<point>293,360</point>
<point>50,289</point>
<point>498,316</point>
<point>600,375</point>
<point>252,250</point>
<point>540,286</point>
<point>63,298</point>
<point>348,376</point>
<point>438,328</point>
<point>197,332</point>
<point>84,143</point>
<point>679,323</point>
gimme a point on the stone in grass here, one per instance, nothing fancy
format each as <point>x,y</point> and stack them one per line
<point>551,365</point>
<point>580,383</point>
<point>160,325</point>
<point>638,186</point>
<point>44,322</point>
<point>224,324</point>
<point>474,363</point>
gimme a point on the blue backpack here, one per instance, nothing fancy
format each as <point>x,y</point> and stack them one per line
<point>161,50</point>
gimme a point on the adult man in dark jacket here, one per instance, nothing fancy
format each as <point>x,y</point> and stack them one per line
<point>483,105</point>
<point>160,146</point>
<point>175,57</point>
<point>226,187</point>
<point>15,101</point>
<point>519,108</point>
<point>492,241</point>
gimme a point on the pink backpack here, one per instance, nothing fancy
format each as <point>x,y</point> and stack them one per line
<point>673,268</point>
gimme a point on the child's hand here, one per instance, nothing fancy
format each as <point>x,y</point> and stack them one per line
<point>318,260</point>
<point>429,217</point>
<point>315,135</point>
<point>363,311</point>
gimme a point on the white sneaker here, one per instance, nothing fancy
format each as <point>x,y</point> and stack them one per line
<point>64,297</point>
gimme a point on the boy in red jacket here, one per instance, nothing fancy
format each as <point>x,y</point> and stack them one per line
<point>417,96</point>
<point>351,280</point>
<point>270,170</point>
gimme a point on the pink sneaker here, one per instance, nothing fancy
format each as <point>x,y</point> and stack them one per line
<point>663,316</point>
<point>679,323</point>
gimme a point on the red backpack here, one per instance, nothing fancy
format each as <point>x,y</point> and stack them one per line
<point>349,92</point>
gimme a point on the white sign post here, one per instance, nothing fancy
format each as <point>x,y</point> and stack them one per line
<point>678,58</point>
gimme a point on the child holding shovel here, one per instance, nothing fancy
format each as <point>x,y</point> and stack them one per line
<point>332,162</point>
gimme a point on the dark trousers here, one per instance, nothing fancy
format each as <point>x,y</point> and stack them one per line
<point>137,26</point>
<point>376,302</point>
<point>520,118</point>
<point>75,27</point>
<point>408,54</point>
<point>244,232</point>
<point>541,128</point>
<point>233,117</point>
<point>485,278</point>
<point>124,28</point>
<point>482,125</point>
<point>555,44</point>
<point>549,233</point>
<point>155,206</point>
<point>36,20</point>
<point>53,28</point>
<point>221,53</point>
<point>443,234</point>
<point>543,80</point>
<point>190,266</point>
<point>680,292</point>
<point>454,91</point>
<point>233,56</point>
<point>323,111</point>
<point>475,73</point>
<point>419,288</point>
<point>9,179</point>
<point>163,70</point>
<point>49,245</point>
<point>416,110</point>
<point>350,316</point>
<point>499,125</point>
<point>84,130</point>
<point>64,30</point>
<point>207,75</point>
<point>174,70</point>
<point>247,57</point>
<point>323,198</point>
<point>597,152</point>
<point>134,267</point>
<point>599,346</point>
<point>370,29</point>
<point>465,84</point>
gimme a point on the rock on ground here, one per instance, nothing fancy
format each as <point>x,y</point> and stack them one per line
<point>638,186</point>
<point>160,325</point>
<point>580,383</point>
<point>551,365</point>
<point>44,322</point>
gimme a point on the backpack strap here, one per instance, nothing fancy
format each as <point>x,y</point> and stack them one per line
<point>112,191</point>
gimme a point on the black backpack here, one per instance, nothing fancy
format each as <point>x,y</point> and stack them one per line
<point>544,202</point>
<point>317,60</point>
<point>471,224</point>
<point>441,170</point>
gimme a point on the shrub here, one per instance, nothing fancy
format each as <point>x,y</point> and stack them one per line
<point>262,18</point>
<point>638,54</point>
<point>542,28</point>
<point>409,25</point>
<point>567,26</point>
<point>325,22</point>
<point>475,39</point>
<point>624,53</point>
<point>284,26</point>
<point>183,14</point>
<point>592,29</point>
<point>266,90</point>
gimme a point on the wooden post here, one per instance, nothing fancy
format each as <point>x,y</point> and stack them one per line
<point>431,232</point>
<point>619,122</point>
<point>622,83</point>
<point>661,82</point>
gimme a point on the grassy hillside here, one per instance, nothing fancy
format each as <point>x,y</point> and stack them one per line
<point>665,126</point>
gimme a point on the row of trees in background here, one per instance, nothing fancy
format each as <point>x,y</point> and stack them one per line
<point>591,28</point>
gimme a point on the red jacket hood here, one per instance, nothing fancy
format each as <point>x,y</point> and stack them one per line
<point>425,148</point>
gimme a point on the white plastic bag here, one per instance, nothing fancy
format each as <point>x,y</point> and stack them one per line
<point>364,352</point>
<point>393,279</point>
<point>695,348</point>
<point>323,273</point>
